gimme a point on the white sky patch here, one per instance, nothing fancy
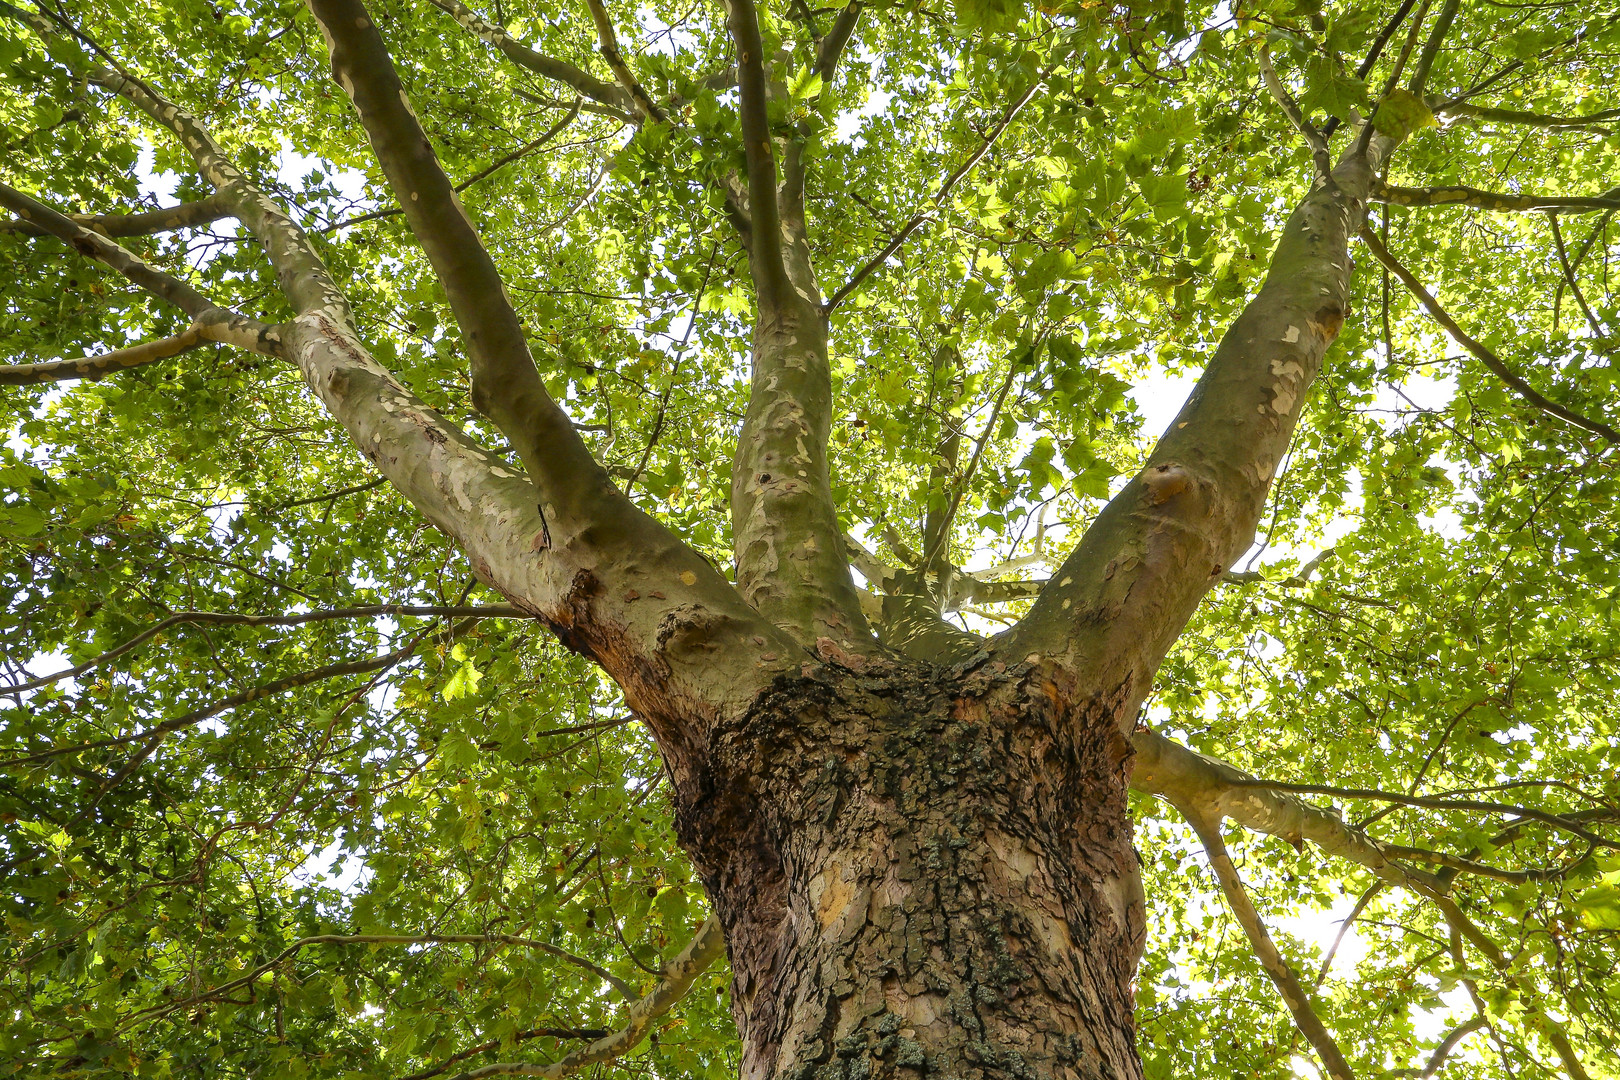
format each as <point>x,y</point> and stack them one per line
<point>1158,396</point>
<point>293,169</point>
<point>160,185</point>
<point>345,871</point>
<point>849,121</point>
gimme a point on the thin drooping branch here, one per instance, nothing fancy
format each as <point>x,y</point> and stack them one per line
<point>674,983</point>
<point>1462,926</point>
<point>487,171</point>
<point>231,618</point>
<point>444,1065</point>
<point>1345,924</point>
<point>608,46</point>
<point>581,82</point>
<point>606,98</point>
<point>934,201</point>
<point>145,223</point>
<point>506,385</point>
<point>622,988</point>
<point>1460,195</point>
<point>1282,975</point>
<point>1484,355</point>
<point>1530,119</point>
<point>155,734</point>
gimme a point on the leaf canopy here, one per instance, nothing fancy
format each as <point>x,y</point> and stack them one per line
<point>1046,314</point>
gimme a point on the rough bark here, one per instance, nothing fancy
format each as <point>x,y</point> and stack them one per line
<point>923,871</point>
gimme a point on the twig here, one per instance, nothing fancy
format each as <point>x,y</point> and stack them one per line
<point>1485,356</point>
<point>705,948</point>
<point>933,202</point>
<point>231,618</point>
<point>1569,276</point>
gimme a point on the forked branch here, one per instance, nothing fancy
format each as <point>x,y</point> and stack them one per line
<point>765,234</point>
<point>506,383</point>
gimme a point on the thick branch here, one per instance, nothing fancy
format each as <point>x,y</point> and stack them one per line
<point>1431,47</point>
<point>789,545</point>
<point>1125,592</point>
<point>221,329</point>
<point>1485,356</point>
<point>520,54</point>
<point>1265,950</point>
<point>1459,195</point>
<point>94,367</point>
<point>1201,785</point>
<point>765,234</point>
<point>837,40</point>
<point>506,384</point>
<point>184,216</point>
<point>1515,116</point>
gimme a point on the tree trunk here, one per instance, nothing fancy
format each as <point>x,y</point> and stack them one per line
<point>923,872</point>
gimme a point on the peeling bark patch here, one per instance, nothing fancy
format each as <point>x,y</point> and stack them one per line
<point>923,873</point>
<point>1165,482</point>
<point>1328,322</point>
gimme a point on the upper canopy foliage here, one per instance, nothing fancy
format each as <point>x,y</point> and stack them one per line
<point>995,379</point>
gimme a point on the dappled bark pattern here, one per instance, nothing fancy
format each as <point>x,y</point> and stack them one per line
<point>923,872</point>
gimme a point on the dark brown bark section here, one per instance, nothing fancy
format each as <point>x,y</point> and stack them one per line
<point>923,871</point>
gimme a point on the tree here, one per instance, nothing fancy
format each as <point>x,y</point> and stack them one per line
<point>721,345</point>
